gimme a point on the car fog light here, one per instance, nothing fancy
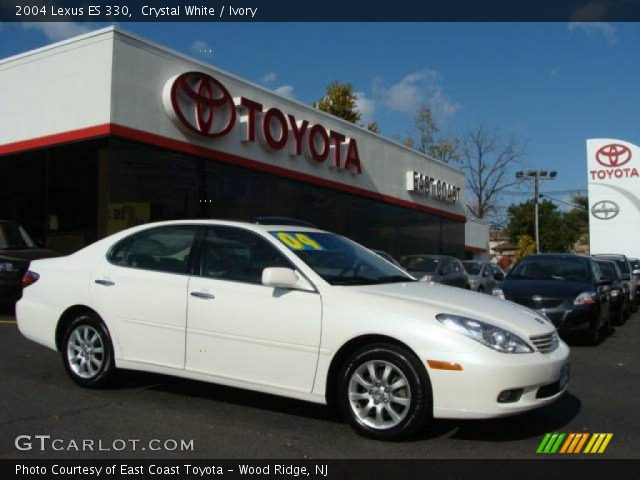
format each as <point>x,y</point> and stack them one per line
<point>510,396</point>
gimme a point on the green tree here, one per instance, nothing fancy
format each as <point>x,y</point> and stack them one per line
<point>557,234</point>
<point>340,100</point>
<point>578,217</point>
<point>526,246</point>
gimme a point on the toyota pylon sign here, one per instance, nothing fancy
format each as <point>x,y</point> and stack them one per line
<point>614,196</point>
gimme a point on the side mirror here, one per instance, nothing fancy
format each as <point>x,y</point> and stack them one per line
<point>499,276</point>
<point>485,274</point>
<point>284,278</point>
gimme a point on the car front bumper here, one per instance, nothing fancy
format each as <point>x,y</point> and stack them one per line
<point>473,391</point>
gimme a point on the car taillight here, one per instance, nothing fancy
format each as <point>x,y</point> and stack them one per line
<point>29,278</point>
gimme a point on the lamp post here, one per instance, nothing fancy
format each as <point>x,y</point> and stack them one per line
<point>537,175</point>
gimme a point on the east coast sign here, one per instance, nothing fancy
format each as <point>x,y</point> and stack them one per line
<point>201,105</point>
<point>422,184</point>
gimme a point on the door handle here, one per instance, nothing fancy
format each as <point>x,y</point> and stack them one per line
<point>204,296</point>
<point>105,283</point>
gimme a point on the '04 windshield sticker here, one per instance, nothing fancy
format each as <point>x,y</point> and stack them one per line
<point>297,241</point>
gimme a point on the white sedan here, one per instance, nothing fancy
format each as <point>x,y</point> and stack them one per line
<point>291,311</point>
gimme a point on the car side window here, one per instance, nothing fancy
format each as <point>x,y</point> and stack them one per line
<point>163,249</point>
<point>239,255</point>
<point>597,273</point>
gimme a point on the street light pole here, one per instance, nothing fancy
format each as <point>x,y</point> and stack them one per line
<point>536,194</point>
<point>537,175</point>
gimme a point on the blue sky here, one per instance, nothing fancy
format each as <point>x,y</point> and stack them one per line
<point>552,85</point>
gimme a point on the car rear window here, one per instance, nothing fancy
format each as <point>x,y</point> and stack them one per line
<point>562,269</point>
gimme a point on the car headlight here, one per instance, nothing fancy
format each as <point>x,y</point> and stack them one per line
<point>489,335</point>
<point>615,293</point>
<point>586,298</point>
<point>427,278</point>
<point>474,281</point>
<point>7,267</point>
<point>498,293</point>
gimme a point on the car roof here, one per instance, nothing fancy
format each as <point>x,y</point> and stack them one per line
<point>232,223</point>
<point>417,255</point>
<point>556,255</point>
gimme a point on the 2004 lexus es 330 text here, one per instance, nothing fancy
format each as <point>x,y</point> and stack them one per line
<point>292,311</point>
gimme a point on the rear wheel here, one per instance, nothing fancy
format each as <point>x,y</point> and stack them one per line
<point>384,392</point>
<point>594,333</point>
<point>87,352</point>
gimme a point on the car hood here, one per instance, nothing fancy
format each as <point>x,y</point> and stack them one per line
<point>458,301</point>
<point>545,288</point>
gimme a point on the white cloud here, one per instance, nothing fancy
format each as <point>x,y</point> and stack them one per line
<point>285,91</point>
<point>422,87</point>
<point>57,31</point>
<point>269,78</point>
<point>366,107</point>
<point>606,30</point>
<point>200,46</point>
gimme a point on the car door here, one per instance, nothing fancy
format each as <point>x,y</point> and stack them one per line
<point>238,328</point>
<point>460,277</point>
<point>141,290</point>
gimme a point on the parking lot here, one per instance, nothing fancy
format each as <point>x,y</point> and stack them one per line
<point>38,398</point>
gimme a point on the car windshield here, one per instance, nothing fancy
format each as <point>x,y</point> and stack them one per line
<point>608,269</point>
<point>623,266</point>
<point>472,268</point>
<point>14,237</point>
<point>340,261</point>
<point>421,264</point>
<point>563,269</point>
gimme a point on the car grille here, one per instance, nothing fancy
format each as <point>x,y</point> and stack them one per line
<point>544,303</point>
<point>546,343</point>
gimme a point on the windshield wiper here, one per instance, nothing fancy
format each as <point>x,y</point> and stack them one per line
<point>351,280</point>
<point>395,278</point>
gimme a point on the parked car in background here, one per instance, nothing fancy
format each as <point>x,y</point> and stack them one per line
<point>436,269</point>
<point>17,249</point>
<point>635,276</point>
<point>617,290</point>
<point>291,311</point>
<point>569,289</point>
<point>627,277</point>
<point>483,276</point>
<point>387,257</point>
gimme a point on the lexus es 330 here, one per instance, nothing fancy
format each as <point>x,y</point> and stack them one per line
<point>292,311</point>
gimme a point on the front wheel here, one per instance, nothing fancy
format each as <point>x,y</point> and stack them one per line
<point>87,353</point>
<point>384,392</point>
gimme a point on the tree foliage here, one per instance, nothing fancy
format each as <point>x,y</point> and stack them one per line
<point>424,138</point>
<point>489,159</point>
<point>526,246</point>
<point>557,229</point>
<point>340,100</point>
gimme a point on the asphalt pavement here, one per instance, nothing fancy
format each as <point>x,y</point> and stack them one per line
<point>37,398</point>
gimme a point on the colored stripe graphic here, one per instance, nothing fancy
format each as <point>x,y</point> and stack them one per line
<point>574,443</point>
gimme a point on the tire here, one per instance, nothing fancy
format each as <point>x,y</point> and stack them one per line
<point>593,335</point>
<point>87,352</point>
<point>619,317</point>
<point>357,391</point>
<point>480,289</point>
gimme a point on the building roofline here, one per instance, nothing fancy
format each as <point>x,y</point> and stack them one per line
<point>149,43</point>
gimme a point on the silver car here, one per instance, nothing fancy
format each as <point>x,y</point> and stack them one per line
<point>483,276</point>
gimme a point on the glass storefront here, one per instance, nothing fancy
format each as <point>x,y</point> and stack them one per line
<point>70,195</point>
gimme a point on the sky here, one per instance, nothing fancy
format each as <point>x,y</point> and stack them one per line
<point>550,85</point>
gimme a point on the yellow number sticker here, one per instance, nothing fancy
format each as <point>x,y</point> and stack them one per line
<point>297,241</point>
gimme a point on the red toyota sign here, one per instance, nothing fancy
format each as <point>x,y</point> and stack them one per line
<point>613,155</point>
<point>200,104</point>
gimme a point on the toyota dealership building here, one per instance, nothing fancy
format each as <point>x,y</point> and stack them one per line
<point>107,130</point>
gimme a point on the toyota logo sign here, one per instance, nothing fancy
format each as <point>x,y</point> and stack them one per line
<point>605,210</point>
<point>201,104</point>
<point>613,155</point>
